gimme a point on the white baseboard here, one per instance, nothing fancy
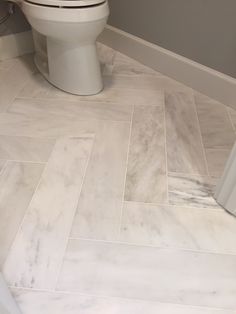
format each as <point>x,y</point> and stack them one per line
<point>199,77</point>
<point>15,45</point>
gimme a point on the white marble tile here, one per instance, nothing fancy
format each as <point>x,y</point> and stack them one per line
<point>146,179</point>
<point>184,144</point>
<point>44,125</point>
<point>81,110</point>
<point>178,227</point>
<point>193,191</point>
<point>17,185</point>
<point>40,243</point>
<point>38,87</point>
<point>95,267</point>
<point>100,204</point>
<point>124,65</point>
<point>59,303</point>
<point>124,96</point>
<point>216,128</point>
<point>216,159</point>
<point>3,309</point>
<point>13,80</point>
<point>147,273</point>
<point>144,82</point>
<point>25,148</point>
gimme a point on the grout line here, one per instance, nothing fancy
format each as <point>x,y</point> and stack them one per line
<point>201,137</point>
<point>27,161</point>
<point>166,153</point>
<point>55,138</point>
<point>32,289</point>
<point>158,247</point>
<point>83,102</point>
<point>91,101</point>
<point>126,172</point>
<point>185,174</point>
<point>28,136</point>
<point>220,209</point>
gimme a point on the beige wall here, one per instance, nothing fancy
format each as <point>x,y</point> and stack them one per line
<point>16,24</point>
<point>201,30</point>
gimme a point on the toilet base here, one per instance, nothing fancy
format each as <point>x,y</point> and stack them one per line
<point>65,39</point>
<point>72,68</point>
<point>85,79</point>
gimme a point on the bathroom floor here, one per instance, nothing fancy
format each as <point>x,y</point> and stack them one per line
<point>106,201</point>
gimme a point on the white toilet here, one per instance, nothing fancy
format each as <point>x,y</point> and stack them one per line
<point>65,33</point>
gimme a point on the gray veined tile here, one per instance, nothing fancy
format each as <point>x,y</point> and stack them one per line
<point>184,144</point>
<point>216,128</point>
<point>40,243</point>
<point>147,273</point>
<point>178,227</point>
<point>193,191</point>
<point>216,159</point>
<point>100,204</point>
<point>81,110</point>
<point>146,179</point>
<point>124,65</point>
<point>13,80</point>
<point>106,57</point>
<point>17,185</point>
<point>38,87</point>
<point>25,148</point>
<point>49,303</point>
<point>107,69</point>
<point>106,54</point>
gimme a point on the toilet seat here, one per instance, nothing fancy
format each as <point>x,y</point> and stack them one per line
<point>67,3</point>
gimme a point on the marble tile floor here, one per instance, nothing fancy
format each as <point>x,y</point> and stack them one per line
<point>106,202</point>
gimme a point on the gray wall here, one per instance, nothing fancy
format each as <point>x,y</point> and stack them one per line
<point>201,30</point>
<point>16,24</point>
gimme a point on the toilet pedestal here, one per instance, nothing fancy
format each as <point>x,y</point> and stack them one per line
<point>65,42</point>
<point>73,68</point>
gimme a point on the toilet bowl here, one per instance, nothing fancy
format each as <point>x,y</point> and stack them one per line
<point>65,33</point>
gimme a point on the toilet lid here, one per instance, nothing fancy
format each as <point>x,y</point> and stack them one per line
<point>67,3</point>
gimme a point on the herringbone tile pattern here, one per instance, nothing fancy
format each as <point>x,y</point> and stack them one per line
<point>106,202</point>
